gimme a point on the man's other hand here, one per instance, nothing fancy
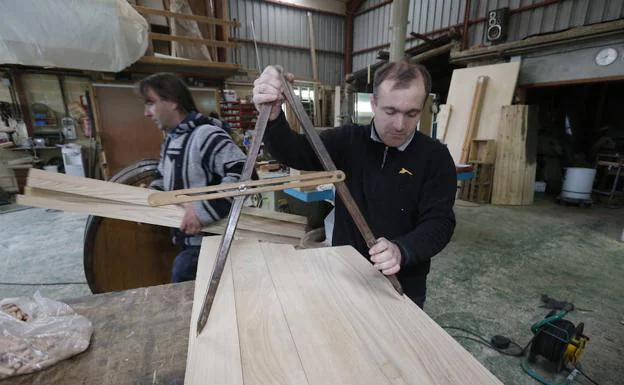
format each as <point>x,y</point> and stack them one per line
<point>190,223</point>
<point>268,88</point>
<point>386,256</point>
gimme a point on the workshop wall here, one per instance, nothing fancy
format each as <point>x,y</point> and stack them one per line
<point>371,28</point>
<point>286,29</point>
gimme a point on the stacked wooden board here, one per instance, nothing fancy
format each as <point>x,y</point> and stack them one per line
<point>317,316</point>
<point>508,180</point>
<point>113,200</point>
<point>501,84</point>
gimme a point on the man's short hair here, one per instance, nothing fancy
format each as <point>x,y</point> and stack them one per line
<point>403,74</point>
<point>168,87</point>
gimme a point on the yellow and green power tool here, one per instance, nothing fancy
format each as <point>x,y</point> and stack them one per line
<point>558,341</point>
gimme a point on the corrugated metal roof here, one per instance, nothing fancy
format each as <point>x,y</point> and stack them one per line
<point>372,28</point>
<point>284,25</point>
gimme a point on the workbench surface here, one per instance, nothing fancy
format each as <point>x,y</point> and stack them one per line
<point>140,336</point>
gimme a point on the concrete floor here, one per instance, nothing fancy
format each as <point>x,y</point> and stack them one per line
<point>489,279</point>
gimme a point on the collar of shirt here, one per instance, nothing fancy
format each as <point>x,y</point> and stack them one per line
<point>188,124</point>
<point>375,137</point>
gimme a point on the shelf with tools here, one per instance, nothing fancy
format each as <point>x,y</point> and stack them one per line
<point>239,115</point>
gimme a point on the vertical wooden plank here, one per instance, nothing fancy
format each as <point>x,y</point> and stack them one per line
<point>426,116</point>
<point>514,174</point>
<point>214,356</point>
<point>475,113</point>
<point>24,105</point>
<point>95,132</point>
<point>312,47</point>
<point>268,352</point>
<point>442,120</point>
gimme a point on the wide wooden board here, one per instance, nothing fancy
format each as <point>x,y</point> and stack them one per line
<point>502,80</point>
<point>320,316</point>
<point>516,156</point>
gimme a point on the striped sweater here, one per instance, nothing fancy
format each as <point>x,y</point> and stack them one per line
<point>198,153</point>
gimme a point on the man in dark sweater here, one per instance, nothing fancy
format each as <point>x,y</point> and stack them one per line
<point>403,181</point>
<point>197,152</point>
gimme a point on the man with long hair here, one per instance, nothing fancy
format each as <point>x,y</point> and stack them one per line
<point>196,153</point>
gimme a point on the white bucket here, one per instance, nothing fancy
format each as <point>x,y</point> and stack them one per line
<point>51,168</point>
<point>578,183</point>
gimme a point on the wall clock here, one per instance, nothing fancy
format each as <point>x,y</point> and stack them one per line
<point>606,56</point>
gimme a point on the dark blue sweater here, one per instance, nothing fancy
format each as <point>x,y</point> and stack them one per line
<point>406,196</point>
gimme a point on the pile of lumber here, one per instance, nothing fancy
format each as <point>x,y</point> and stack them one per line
<point>481,128</point>
<point>315,316</point>
<point>112,200</point>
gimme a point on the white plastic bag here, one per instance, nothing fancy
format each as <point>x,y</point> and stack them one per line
<point>38,332</point>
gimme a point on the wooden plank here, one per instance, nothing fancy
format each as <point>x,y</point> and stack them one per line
<point>100,155</point>
<point>94,188</point>
<point>426,117</point>
<point>199,19</point>
<point>214,356</point>
<point>330,349</point>
<point>346,321</point>
<point>514,174</point>
<point>269,357</point>
<point>473,121</point>
<point>501,85</point>
<point>442,119</point>
<point>249,226</point>
<point>312,48</point>
<point>187,62</point>
<point>351,327</point>
<point>187,39</point>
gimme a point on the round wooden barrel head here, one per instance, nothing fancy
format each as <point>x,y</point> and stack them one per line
<point>121,255</point>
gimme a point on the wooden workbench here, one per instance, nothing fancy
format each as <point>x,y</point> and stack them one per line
<point>140,336</point>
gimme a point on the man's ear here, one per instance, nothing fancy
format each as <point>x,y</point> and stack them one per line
<point>373,101</point>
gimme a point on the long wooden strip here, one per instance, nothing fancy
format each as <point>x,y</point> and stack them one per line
<point>211,43</point>
<point>473,121</point>
<point>86,186</point>
<point>329,347</point>
<point>175,15</point>
<point>160,198</point>
<point>214,356</point>
<point>170,216</point>
<point>268,352</point>
<point>189,63</point>
<point>68,184</point>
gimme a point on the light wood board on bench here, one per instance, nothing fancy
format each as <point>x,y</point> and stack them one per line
<point>319,316</point>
